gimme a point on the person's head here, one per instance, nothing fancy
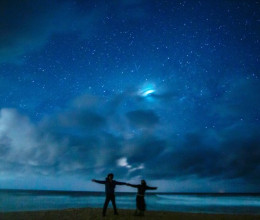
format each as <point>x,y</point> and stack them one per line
<point>110,176</point>
<point>143,182</point>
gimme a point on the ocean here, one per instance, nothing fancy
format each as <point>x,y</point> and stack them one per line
<point>29,200</point>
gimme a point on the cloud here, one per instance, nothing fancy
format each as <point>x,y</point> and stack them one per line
<point>83,140</point>
<point>28,148</point>
<point>122,162</point>
<point>82,119</point>
<point>143,118</point>
<point>240,101</point>
<point>23,146</point>
<point>28,25</point>
<point>234,157</point>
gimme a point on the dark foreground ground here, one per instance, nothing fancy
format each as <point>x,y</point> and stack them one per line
<point>95,214</point>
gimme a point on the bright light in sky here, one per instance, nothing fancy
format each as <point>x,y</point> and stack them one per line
<point>148,92</point>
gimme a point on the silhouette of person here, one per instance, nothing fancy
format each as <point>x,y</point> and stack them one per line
<point>140,202</point>
<point>110,185</point>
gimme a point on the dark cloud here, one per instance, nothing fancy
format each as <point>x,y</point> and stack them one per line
<point>143,118</point>
<point>144,149</point>
<point>28,25</point>
<point>240,155</point>
<point>82,119</point>
<point>240,101</point>
<point>234,157</point>
<point>94,153</point>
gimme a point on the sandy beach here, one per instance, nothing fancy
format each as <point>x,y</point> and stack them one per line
<point>95,214</point>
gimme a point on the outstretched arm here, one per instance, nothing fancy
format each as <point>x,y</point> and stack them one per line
<point>152,188</point>
<point>132,185</point>
<point>99,181</point>
<point>120,183</point>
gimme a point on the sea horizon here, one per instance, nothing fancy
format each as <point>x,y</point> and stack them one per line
<point>211,202</point>
<point>148,192</point>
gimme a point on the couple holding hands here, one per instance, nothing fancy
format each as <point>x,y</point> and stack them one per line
<point>110,185</point>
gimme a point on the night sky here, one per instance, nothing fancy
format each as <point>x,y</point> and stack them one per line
<point>162,90</point>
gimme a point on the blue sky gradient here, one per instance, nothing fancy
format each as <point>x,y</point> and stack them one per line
<point>166,91</point>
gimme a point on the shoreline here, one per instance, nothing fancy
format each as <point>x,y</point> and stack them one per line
<point>95,214</point>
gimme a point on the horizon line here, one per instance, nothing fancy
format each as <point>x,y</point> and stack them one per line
<point>84,191</point>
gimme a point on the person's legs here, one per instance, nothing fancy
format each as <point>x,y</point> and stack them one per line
<point>143,208</point>
<point>114,204</point>
<point>137,203</point>
<point>105,205</point>
<point>136,212</point>
<point>140,206</point>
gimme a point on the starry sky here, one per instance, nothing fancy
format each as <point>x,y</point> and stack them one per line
<point>166,91</point>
